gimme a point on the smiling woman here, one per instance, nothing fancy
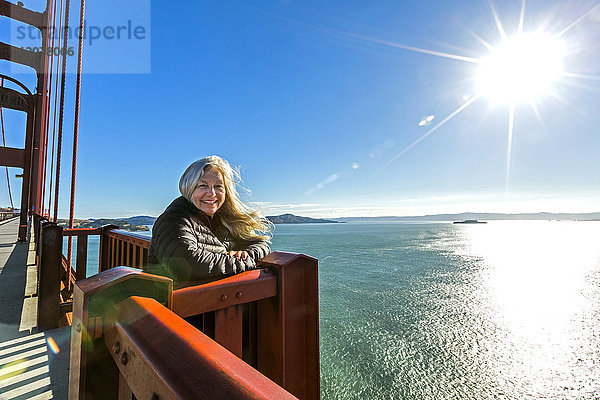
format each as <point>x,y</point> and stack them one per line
<point>208,232</point>
<point>521,68</point>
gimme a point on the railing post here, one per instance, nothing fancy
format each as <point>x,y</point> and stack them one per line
<point>92,372</point>
<point>81,264</point>
<point>104,253</point>
<point>38,223</point>
<point>41,223</point>
<point>49,276</point>
<point>288,326</point>
<point>22,235</point>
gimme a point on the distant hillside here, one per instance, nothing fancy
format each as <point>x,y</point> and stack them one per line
<point>138,223</point>
<point>140,220</point>
<point>295,219</point>
<point>97,223</point>
<point>481,216</point>
<point>277,219</point>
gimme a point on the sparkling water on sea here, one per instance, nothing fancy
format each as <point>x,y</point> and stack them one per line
<point>505,310</point>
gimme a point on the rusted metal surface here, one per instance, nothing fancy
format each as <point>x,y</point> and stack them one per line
<point>288,326</point>
<point>251,286</point>
<point>49,277</point>
<point>92,372</point>
<point>162,356</point>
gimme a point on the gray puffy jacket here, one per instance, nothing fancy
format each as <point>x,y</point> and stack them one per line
<point>189,246</point>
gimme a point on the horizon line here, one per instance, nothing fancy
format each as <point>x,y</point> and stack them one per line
<point>386,216</point>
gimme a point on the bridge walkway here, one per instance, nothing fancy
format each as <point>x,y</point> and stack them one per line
<point>33,365</point>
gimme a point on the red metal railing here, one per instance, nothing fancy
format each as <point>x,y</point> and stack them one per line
<point>122,248</point>
<point>141,348</point>
<point>55,276</point>
<point>281,334</point>
<point>268,316</point>
<point>116,248</point>
<point>133,328</point>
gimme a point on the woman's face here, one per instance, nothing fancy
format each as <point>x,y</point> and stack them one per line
<point>209,194</point>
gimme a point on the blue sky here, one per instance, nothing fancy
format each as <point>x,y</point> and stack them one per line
<point>317,102</point>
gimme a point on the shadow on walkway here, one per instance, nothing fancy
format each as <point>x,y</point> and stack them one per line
<point>32,365</point>
<point>13,278</point>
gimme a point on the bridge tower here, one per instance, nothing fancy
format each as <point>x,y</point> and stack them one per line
<point>31,156</point>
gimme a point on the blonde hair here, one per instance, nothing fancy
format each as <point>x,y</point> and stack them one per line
<point>242,221</point>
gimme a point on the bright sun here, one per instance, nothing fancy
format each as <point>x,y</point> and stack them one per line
<point>521,68</point>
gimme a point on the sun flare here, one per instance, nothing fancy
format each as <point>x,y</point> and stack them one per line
<point>521,68</point>
<point>528,63</point>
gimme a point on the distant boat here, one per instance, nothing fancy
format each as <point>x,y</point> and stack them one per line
<point>470,221</point>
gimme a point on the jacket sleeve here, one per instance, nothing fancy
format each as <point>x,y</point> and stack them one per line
<point>256,249</point>
<point>176,249</point>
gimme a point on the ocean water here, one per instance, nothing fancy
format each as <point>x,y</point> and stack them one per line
<point>505,310</point>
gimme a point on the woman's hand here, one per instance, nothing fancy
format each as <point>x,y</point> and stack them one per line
<point>240,255</point>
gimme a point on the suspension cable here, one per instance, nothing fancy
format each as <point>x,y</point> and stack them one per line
<point>4,144</point>
<point>54,119</point>
<point>76,123</point>
<point>62,107</point>
<point>49,21</point>
<point>51,32</point>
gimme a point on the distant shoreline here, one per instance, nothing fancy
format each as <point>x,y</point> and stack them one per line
<point>541,216</point>
<point>139,223</point>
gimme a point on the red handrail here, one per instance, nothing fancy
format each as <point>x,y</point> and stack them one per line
<point>161,356</point>
<point>227,292</point>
